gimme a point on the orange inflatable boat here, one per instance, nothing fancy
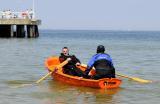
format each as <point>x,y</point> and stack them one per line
<point>52,62</point>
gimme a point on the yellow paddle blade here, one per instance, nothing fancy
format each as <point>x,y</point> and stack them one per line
<point>23,85</point>
<point>135,78</point>
<point>141,80</point>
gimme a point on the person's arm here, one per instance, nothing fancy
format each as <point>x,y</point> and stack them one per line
<point>75,60</point>
<point>90,65</point>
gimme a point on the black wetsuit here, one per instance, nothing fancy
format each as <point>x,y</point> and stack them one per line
<point>71,68</point>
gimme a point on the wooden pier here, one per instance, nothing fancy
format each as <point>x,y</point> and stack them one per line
<point>19,28</point>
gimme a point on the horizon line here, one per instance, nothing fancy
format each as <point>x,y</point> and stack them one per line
<point>97,30</point>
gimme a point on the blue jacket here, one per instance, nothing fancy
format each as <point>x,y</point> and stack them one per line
<point>97,57</point>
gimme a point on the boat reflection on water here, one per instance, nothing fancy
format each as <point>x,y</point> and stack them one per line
<point>59,93</point>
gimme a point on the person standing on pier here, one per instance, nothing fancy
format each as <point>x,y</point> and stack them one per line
<point>31,13</point>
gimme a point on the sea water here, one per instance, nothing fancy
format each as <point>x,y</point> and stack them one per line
<point>134,53</point>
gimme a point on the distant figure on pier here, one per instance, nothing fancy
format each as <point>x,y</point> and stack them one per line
<point>8,14</point>
<point>3,14</point>
<point>25,14</point>
<point>31,13</point>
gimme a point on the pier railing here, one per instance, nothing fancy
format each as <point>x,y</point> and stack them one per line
<point>16,15</point>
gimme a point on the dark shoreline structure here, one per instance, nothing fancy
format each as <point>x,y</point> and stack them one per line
<point>19,28</point>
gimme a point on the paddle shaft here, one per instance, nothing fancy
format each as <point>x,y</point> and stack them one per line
<point>44,77</point>
<point>51,71</point>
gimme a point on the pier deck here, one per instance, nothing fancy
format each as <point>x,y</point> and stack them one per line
<point>20,21</point>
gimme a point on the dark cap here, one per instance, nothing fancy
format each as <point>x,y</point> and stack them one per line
<point>100,49</point>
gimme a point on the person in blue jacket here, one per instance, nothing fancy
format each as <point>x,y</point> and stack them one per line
<point>102,63</point>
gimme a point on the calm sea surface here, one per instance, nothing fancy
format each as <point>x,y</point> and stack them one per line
<point>134,53</point>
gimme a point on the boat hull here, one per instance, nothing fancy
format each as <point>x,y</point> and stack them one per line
<point>107,83</point>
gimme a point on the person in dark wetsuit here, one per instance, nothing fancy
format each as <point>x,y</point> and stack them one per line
<point>103,65</point>
<point>71,67</point>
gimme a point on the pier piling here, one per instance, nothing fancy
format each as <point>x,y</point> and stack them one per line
<point>19,28</point>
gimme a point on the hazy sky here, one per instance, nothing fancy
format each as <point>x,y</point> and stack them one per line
<point>92,14</point>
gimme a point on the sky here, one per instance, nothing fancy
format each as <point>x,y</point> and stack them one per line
<point>92,14</point>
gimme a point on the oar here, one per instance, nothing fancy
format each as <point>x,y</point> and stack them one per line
<point>134,78</point>
<point>92,72</point>
<point>51,71</point>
